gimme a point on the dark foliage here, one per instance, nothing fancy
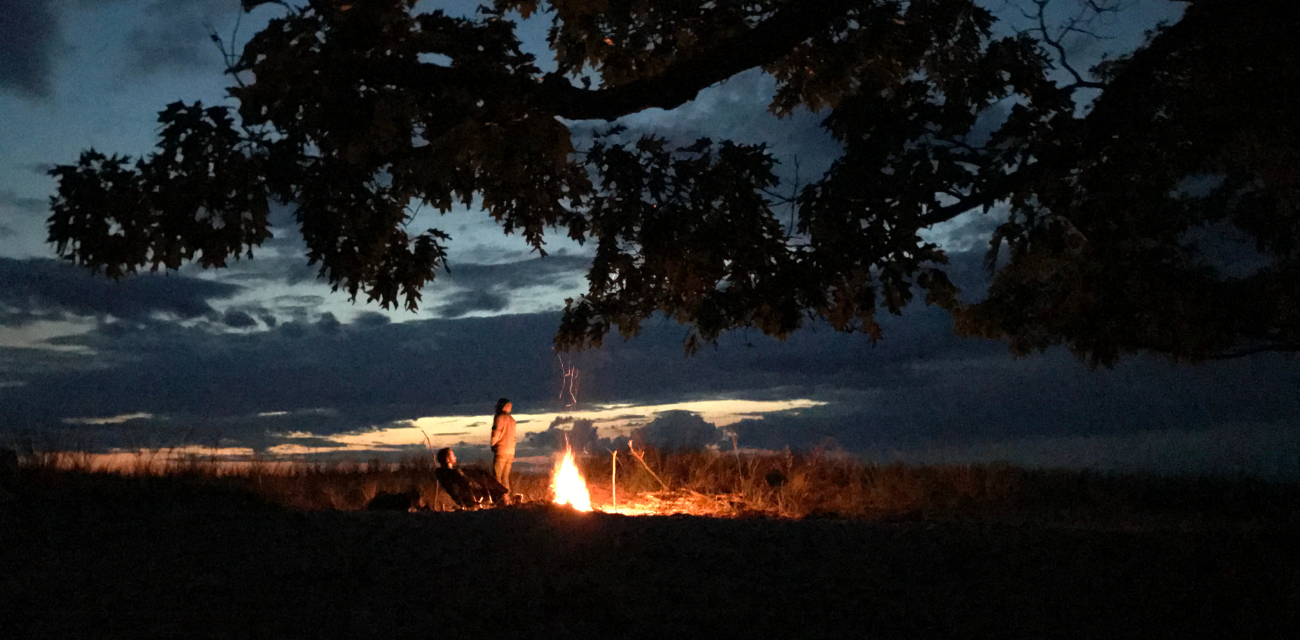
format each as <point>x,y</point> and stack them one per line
<point>1159,216</point>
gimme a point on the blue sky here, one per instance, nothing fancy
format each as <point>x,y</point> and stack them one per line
<point>242,357</point>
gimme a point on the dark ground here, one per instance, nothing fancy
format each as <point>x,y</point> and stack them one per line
<point>158,561</point>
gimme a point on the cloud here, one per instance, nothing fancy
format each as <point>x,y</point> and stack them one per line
<point>207,379</point>
<point>297,301</point>
<point>293,330</point>
<point>119,419</point>
<point>328,323</point>
<point>371,319</point>
<point>493,287</point>
<point>671,431</point>
<point>462,303</point>
<point>919,385</point>
<point>38,288</point>
<point>679,430</point>
<point>547,271</point>
<point>736,110</point>
<point>467,288</point>
<point>1261,450</point>
<point>175,34</point>
<point>29,42</point>
<point>10,199</point>
<point>967,233</point>
<point>40,168</point>
<point>25,211</point>
<point>238,319</point>
<point>582,436</point>
<point>289,269</point>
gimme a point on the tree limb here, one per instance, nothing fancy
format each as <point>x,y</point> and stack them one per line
<point>984,198</point>
<point>768,41</point>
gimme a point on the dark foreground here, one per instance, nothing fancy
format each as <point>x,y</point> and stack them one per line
<point>201,564</point>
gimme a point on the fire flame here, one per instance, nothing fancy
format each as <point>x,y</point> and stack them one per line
<point>568,485</point>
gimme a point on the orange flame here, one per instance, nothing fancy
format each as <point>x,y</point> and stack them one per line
<point>568,485</point>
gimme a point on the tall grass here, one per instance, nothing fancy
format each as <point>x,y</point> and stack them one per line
<point>726,483</point>
<point>819,484</point>
<point>312,486</point>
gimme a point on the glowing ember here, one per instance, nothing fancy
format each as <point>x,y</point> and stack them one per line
<point>568,485</point>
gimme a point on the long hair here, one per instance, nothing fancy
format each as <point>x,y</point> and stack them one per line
<point>501,404</point>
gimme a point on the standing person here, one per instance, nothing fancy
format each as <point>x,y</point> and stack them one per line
<point>503,441</point>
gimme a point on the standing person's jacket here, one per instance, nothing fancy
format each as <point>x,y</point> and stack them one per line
<point>503,434</point>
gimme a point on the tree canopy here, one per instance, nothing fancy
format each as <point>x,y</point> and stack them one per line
<point>1148,203</point>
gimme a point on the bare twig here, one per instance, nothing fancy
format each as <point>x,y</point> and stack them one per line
<point>735,448</point>
<point>1053,35</point>
<point>641,457</point>
<point>229,55</point>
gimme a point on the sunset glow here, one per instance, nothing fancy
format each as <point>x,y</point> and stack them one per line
<point>611,420</point>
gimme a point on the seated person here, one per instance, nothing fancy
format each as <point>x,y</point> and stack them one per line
<point>467,492</point>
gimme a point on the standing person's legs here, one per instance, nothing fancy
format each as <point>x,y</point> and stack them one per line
<point>501,465</point>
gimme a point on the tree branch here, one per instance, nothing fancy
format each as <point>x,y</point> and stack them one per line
<point>1058,44</point>
<point>999,189</point>
<point>555,94</point>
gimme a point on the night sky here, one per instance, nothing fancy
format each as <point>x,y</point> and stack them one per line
<point>262,355</point>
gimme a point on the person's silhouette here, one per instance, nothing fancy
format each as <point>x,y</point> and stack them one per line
<point>468,491</point>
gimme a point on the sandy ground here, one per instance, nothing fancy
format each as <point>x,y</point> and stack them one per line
<point>177,566</point>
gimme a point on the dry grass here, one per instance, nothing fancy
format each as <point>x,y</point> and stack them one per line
<point>777,484</point>
<point>190,548</point>
<point>836,486</point>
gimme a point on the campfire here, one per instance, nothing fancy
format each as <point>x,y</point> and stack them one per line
<point>569,488</point>
<point>568,484</point>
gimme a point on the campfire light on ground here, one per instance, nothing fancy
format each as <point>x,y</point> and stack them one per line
<point>568,485</point>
